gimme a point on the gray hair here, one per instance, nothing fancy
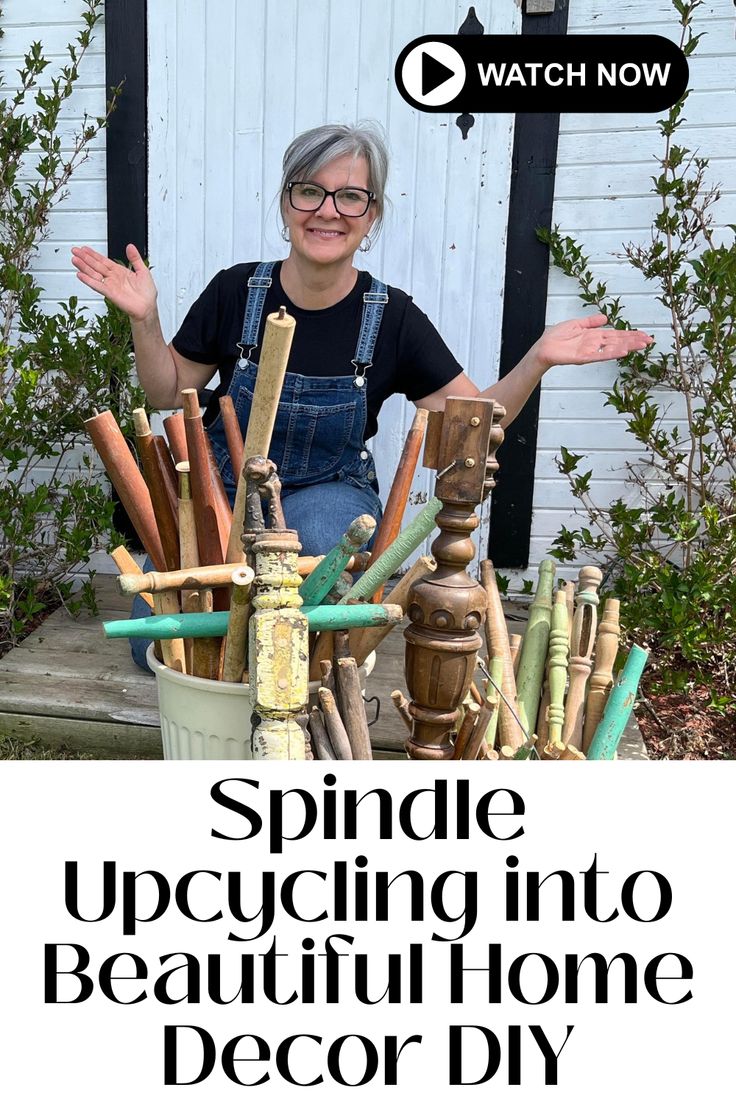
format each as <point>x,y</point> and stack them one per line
<point>309,151</point>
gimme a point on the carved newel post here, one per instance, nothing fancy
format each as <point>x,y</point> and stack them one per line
<point>447,608</point>
<point>278,630</point>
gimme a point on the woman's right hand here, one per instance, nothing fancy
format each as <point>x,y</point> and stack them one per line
<point>130,289</point>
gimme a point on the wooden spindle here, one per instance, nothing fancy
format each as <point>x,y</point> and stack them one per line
<point>466,728</point>
<point>408,541</point>
<point>619,706</point>
<point>393,513</point>
<point>317,585</point>
<point>188,548</point>
<point>366,641</point>
<point>236,642</point>
<point>126,565</point>
<point>319,619</point>
<point>206,650</point>
<point>334,724</point>
<point>275,349</point>
<point>127,481</point>
<point>447,608</point>
<point>207,575</point>
<point>535,644</point>
<point>352,706</point>
<point>171,650</point>
<point>177,436</point>
<point>155,472</point>
<point>581,647</point>
<point>558,660</point>
<point>498,646</point>
<point>601,679</point>
<point>322,745</point>
<point>327,677</point>
<point>223,513</point>
<point>203,492</point>
<point>278,628</point>
<point>233,436</point>
<point>477,739</point>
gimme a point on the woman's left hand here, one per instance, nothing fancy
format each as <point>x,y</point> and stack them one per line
<point>584,340</point>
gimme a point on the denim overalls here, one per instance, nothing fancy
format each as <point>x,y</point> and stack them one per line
<point>327,474</point>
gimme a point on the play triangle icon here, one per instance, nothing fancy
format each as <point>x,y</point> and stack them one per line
<point>434,73</point>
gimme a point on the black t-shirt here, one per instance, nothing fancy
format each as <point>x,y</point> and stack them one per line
<point>410,356</point>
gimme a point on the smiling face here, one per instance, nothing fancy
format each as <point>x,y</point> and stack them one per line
<point>325,236</point>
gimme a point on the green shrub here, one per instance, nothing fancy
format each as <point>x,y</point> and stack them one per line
<point>669,549</point>
<point>53,366</point>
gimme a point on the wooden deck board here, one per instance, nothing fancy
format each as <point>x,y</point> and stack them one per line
<point>68,686</point>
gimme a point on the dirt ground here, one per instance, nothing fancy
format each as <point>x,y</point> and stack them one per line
<point>682,724</point>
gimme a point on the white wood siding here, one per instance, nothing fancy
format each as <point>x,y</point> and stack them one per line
<point>602,199</point>
<point>231,83</point>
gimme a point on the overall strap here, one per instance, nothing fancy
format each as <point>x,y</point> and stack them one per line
<point>258,285</point>
<point>373,303</point>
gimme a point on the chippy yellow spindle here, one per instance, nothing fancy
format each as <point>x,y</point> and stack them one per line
<point>278,649</point>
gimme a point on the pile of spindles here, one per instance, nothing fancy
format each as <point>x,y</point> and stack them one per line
<point>338,727</point>
<point>557,682</point>
<point>179,508</point>
<point>180,511</point>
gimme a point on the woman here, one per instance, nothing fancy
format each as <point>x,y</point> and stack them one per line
<point>356,341</point>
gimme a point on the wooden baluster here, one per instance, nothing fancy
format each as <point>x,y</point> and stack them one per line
<point>558,656</point>
<point>581,648</point>
<point>447,608</point>
<point>535,644</point>
<point>601,680</point>
<point>278,630</point>
<point>619,706</point>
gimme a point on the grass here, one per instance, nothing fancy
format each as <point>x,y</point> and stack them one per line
<point>13,748</point>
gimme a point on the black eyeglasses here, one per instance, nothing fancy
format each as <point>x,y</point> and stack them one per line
<point>352,202</point>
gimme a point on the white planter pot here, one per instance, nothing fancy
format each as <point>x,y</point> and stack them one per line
<point>203,719</point>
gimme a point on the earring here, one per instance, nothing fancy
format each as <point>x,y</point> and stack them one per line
<point>365,244</point>
<point>285,233</point>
